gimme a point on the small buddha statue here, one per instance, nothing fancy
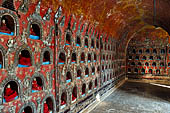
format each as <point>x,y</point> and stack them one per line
<point>4,27</point>
<point>46,109</point>
<point>10,94</point>
<point>24,60</point>
<point>63,102</point>
<point>32,31</point>
<point>35,85</point>
<point>73,97</point>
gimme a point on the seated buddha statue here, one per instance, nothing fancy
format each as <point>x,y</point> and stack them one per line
<point>63,102</point>
<point>35,85</point>
<point>26,61</point>
<point>46,108</point>
<point>32,31</point>
<point>10,94</point>
<point>4,28</point>
<point>73,97</point>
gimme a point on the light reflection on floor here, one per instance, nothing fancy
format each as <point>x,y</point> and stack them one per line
<point>136,97</point>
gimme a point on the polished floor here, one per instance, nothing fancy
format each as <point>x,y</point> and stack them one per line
<point>136,97</point>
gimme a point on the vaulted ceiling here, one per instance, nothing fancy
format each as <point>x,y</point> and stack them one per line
<point>117,17</point>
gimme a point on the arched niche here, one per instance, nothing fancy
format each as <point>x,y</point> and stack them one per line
<point>7,25</point>
<point>137,57</point>
<point>12,19</point>
<point>143,71</point>
<point>63,100</point>
<point>74,94</point>
<point>68,77</point>
<point>92,43</point>
<point>79,74</point>
<point>83,90</point>
<point>11,91</point>
<point>95,57</point>
<point>169,64</point>
<point>146,64</point>
<point>89,58</point>
<point>102,68</point>
<point>154,64</point>
<point>48,104</point>
<point>130,57</point>
<point>90,87</point>
<point>82,57</point>
<point>62,58</point>
<point>139,64</point>
<point>158,71</point>
<point>134,51</point>
<point>147,51</point>
<point>135,70</point>
<point>46,56</point>
<point>132,63</point>
<point>68,38</point>
<point>103,57</point>
<point>86,72</point>
<point>162,51</point>
<point>86,43</point>
<point>101,43</point>
<point>93,70</point>
<point>28,108</point>
<point>161,64</point>
<point>129,70</point>
<point>35,31</point>
<point>73,58</point>
<point>144,58</point>
<point>151,57</point>
<point>97,43</point>
<point>150,71</point>
<point>96,84</point>
<point>158,58</point>
<point>140,51</point>
<point>104,80</point>
<point>37,82</point>
<point>24,58</point>
<point>78,41</point>
<point>154,51</point>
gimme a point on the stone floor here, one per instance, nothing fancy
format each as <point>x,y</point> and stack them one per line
<point>136,97</point>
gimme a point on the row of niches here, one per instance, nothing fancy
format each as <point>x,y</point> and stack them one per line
<point>107,57</point>
<point>12,90</point>
<point>7,27</point>
<point>81,74</point>
<point>153,64</point>
<point>25,58</point>
<point>62,58</point>
<point>87,44</point>
<point>85,90</point>
<point>145,57</point>
<point>147,51</point>
<point>143,71</point>
<point>106,77</point>
<point>105,67</point>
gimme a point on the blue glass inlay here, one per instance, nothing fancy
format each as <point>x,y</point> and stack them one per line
<point>12,33</point>
<point>46,63</point>
<point>20,65</point>
<point>34,37</point>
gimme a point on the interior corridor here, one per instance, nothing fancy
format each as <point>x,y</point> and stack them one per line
<point>136,97</point>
